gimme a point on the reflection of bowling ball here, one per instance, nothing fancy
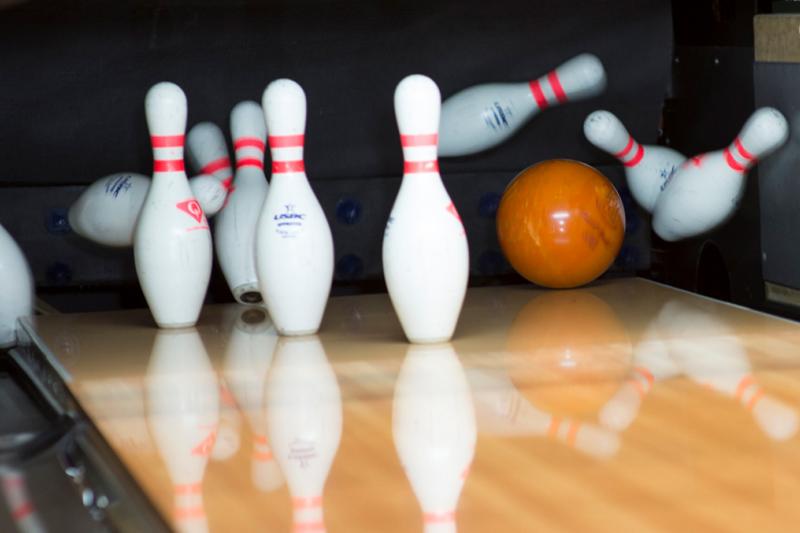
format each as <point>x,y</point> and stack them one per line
<point>560,223</point>
<point>569,353</point>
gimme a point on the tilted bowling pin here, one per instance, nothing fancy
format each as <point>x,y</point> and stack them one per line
<point>483,116</point>
<point>106,212</point>
<point>647,167</point>
<point>433,425</point>
<point>304,420</point>
<point>20,506</point>
<point>294,246</point>
<point>235,228</point>
<point>705,191</point>
<point>208,153</point>
<point>172,242</point>
<point>183,414</point>
<point>425,252</point>
<point>16,288</point>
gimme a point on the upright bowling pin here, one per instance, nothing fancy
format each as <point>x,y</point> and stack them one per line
<point>172,242</point>
<point>425,252</point>
<point>106,212</point>
<point>647,167</point>
<point>183,414</point>
<point>294,246</point>
<point>433,424</point>
<point>304,419</point>
<point>235,229</point>
<point>705,191</point>
<point>208,153</point>
<point>483,116</point>
<point>16,288</point>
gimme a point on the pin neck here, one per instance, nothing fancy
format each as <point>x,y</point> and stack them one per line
<point>287,153</point>
<point>420,153</point>
<point>632,154</point>
<point>167,153</point>
<point>737,157</point>
<point>548,90</point>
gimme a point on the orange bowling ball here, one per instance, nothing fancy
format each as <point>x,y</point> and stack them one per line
<point>560,223</point>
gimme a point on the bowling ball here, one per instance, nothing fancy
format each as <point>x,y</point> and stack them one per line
<point>560,223</point>
<point>569,353</point>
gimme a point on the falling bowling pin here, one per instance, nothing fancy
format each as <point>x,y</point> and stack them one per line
<point>172,242</point>
<point>16,288</point>
<point>647,167</point>
<point>483,116</point>
<point>425,251</point>
<point>705,191</point>
<point>294,246</point>
<point>235,228</point>
<point>208,153</point>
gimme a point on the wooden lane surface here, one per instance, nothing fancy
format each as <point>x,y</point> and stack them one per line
<point>626,406</point>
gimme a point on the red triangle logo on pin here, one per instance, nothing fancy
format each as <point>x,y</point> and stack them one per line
<point>206,445</point>
<point>453,211</point>
<point>192,208</point>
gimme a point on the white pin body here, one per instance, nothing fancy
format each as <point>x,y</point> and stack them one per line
<point>304,420</point>
<point>172,241</point>
<point>16,287</point>
<point>705,191</point>
<point>425,251</point>
<point>481,117</point>
<point>235,227</point>
<point>208,153</point>
<point>248,357</point>
<point>210,192</point>
<point>647,167</point>
<point>434,430</point>
<point>294,245</point>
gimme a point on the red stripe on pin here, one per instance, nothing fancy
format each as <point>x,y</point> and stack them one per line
<point>228,184</point>
<point>280,167</point>
<point>250,163</point>
<point>431,139</point>
<point>732,162</point>
<point>412,167</point>
<point>303,527</point>
<point>23,511</point>
<point>166,141</point>
<point>439,518</point>
<point>628,147</point>
<point>742,151</point>
<point>307,503</point>
<point>637,158</point>
<point>189,488</point>
<point>248,142</point>
<point>538,94</point>
<point>217,164</point>
<point>555,84</point>
<point>286,141</point>
<point>168,165</point>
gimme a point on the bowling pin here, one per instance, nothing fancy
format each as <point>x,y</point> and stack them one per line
<point>16,288</point>
<point>304,417</point>
<point>433,425</point>
<point>425,252</point>
<point>228,439</point>
<point>248,356</point>
<point>20,506</point>
<point>705,191</point>
<point>208,153</point>
<point>294,246</point>
<point>172,242</point>
<point>481,117</point>
<point>106,212</point>
<point>235,228</point>
<point>647,167</point>
<point>182,402</point>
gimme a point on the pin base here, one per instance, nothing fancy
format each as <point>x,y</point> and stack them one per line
<point>430,340</point>
<point>177,325</point>
<point>247,294</point>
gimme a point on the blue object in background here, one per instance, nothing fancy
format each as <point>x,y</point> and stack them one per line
<point>57,221</point>
<point>349,267</point>
<point>348,211</point>
<point>492,263</point>
<point>488,204</point>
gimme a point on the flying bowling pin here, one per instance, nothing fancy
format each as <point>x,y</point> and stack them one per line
<point>106,212</point>
<point>16,288</point>
<point>425,252</point>
<point>647,167</point>
<point>172,242</point>
<point>235,228</point>
<point>294,246</point>
<point>481,117</point>
<point>208,153</point>
<point>705,191</point>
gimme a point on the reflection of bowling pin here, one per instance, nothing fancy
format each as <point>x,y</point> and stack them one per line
<point>208,153</point>
<point>294,246</point>
<point>304,420</point>
<point>483,116</point>
<point>230,422</point>
<point>247,360</point>
<point>16,288</point>
<point>705,191</point>
<point>183,412</point>
<point>235,228</point>
<point>425,252</point>
<point>646,167</point>
<point>433,424</point>
<point>21,508</point>
<point>107,210</point>
<point>172,242</point>
<point>712,355</point>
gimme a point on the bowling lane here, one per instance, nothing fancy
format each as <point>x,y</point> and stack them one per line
<point>625,406</point>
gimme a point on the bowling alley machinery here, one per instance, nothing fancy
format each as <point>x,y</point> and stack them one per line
<point>368,266</point>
